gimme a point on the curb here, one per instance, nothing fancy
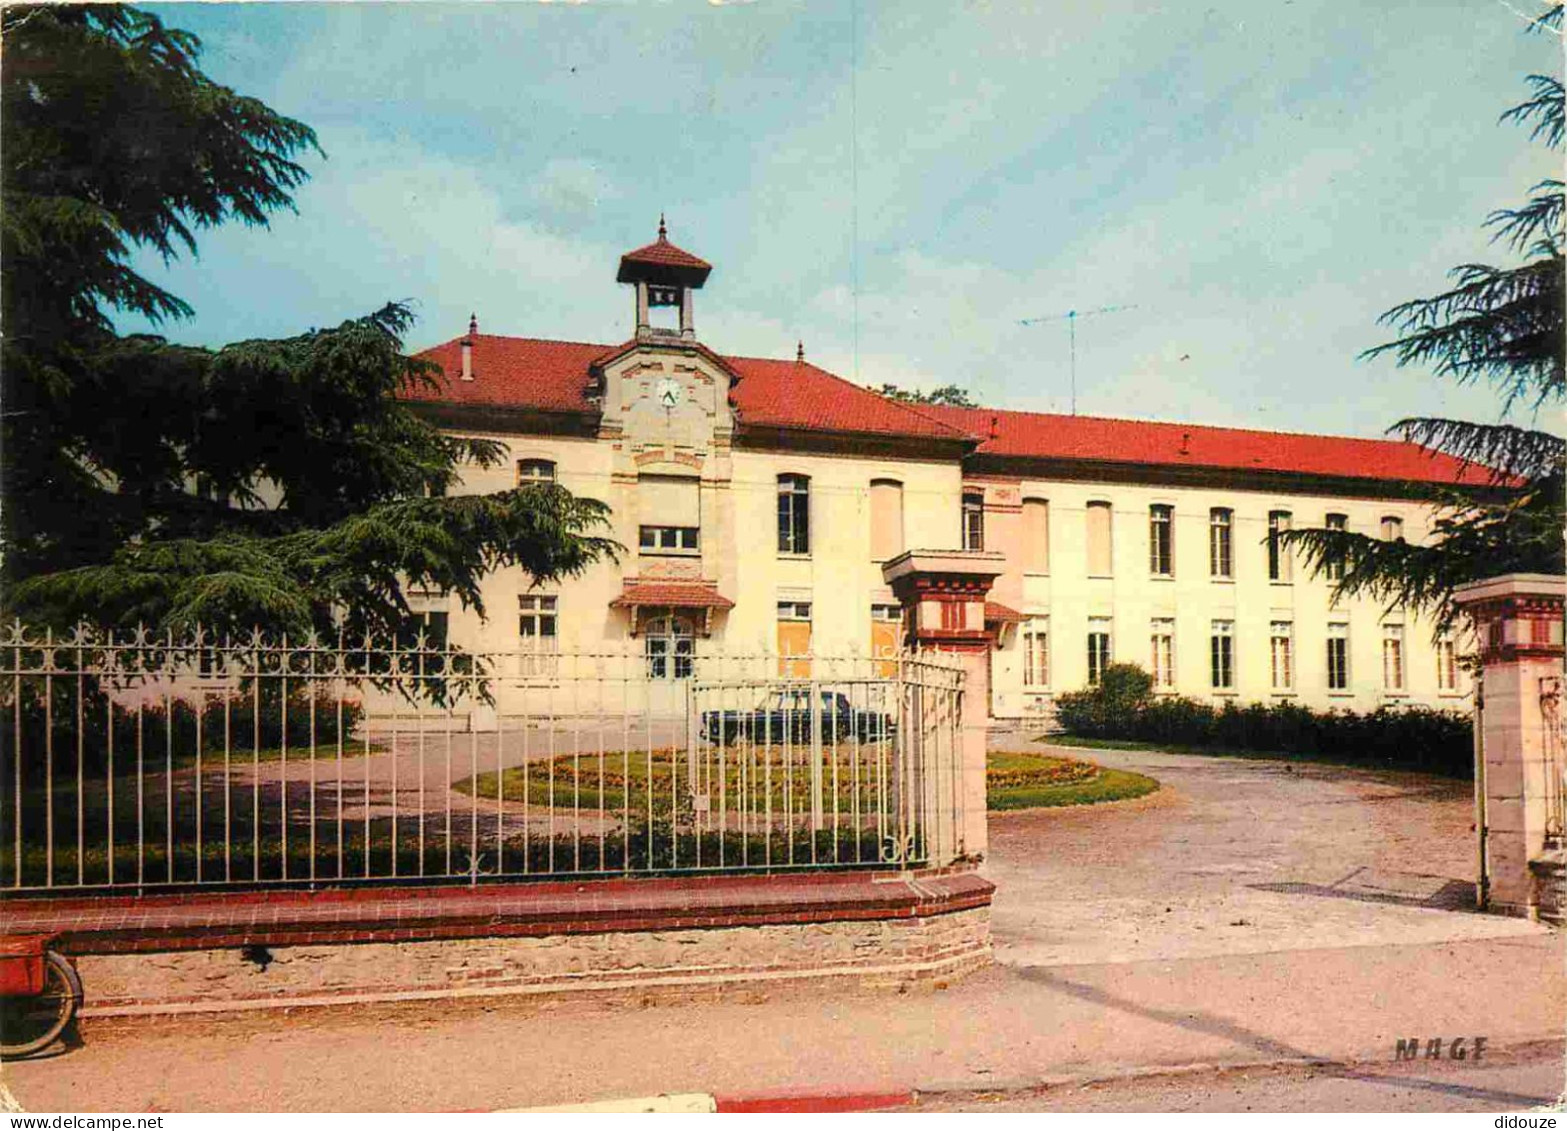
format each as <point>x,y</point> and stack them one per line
<point>805,1103</point>
<point>705,1103</point>
<point>1523,1046</point>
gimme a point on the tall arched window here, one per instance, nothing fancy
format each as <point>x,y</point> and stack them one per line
<point>669,643</point>
<point>794,514</point>
<point>973,520</point>
<point>1279,562</point>
<point>1221,546</point>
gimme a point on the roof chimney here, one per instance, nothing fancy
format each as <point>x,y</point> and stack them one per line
<point>467,347</point>
<point>1186,440</point>
<point>799,351</point>
<point>995,426</point>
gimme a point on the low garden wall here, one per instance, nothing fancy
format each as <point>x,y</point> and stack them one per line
<point>246,950</point>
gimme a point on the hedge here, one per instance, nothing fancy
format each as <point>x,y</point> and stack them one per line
<point>166,730</point>
<point>1412,737</point>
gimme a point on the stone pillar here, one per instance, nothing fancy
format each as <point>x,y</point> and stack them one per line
<point>1518,773</point>
<point>943,597</point>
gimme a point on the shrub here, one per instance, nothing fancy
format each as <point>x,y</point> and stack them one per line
<point>1413,737</point>
<point>256,718</point>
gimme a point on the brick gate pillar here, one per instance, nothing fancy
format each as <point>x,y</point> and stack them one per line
<point>1518,770</point>
<point>943,597</point>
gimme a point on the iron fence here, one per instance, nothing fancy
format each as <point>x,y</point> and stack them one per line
<point>1555,768</point>
<point>140,761</point>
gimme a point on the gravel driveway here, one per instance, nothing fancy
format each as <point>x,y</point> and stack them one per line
<point>1235,856</point>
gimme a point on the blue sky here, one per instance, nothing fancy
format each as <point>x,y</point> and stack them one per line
<point>899,184</point>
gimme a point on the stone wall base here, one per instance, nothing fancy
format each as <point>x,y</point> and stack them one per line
<point>1549,873</point>
<point>885,952</point>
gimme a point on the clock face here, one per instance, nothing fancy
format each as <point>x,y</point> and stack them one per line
<point>667,392</point>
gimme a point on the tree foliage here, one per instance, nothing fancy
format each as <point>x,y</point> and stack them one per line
<point>273,482</point>
<point>954,395</point>
<point>1502,326</point>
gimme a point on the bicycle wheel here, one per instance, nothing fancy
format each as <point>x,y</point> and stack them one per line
<point>32,1024</point>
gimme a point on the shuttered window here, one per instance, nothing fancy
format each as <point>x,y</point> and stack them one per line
<point>886,519</point>
<point>1100,556</point>
<point>1036,536</point>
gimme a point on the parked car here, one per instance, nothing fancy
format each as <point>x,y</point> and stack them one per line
<point>787,714</point>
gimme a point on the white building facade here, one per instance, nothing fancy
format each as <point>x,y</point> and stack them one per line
<point>757,500</point>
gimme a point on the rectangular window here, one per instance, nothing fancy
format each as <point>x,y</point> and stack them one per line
<point>1338,657</point>
<point>670,646</point>
<point>1162,653</point>
<point>954,615</point>
<point>1100,551</point>
<point>794,514</point>
<point>1036,653</point>
<point>1281,646</point>
<point>668,539</point>
<point>1221,547</point>
<point>664,503</point>
<point>538,635</point>
<point>1161,560</point>
<point>1392,528</point>
<point>973,520</point>
<point>1446,665</point>
<point>1333,564</point>
<point>794,639</point>
<point>1036,536</point>
<point>886,519</point>
<point>1222,655</point>
<point>1279,564</point>
<point>886,626</point>
<point>1098,649</point>
<point>424,630</point>
<point>1393,657</point>
<point>532,471</point>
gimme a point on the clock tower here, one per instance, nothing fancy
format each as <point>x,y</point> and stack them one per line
<point>663,275</point>
<point>665,411</point>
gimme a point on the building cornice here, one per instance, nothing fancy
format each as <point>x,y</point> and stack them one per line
<point>1164,475</point>
<point>507,418</point>
<point>775,439</point>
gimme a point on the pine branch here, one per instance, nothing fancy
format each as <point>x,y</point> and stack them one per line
<point>1507,453</point>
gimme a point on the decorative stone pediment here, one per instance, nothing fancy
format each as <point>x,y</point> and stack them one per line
<point>667,404</point>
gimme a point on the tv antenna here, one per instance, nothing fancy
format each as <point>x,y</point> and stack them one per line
<point>1071,317</point>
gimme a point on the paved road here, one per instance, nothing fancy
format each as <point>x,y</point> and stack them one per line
<point>1235,856</point>
<point>1529,1078</point>
<point>1246,914</point>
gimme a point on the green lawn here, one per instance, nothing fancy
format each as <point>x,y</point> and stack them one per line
<point>750,783</point>
<point>1023,780</point>
<point>750,779</point>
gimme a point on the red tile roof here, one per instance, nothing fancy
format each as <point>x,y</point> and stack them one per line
<point>672,594</point>
<point>1100,439</point>
<point>555,376</point>
<point>662,253</point>
<point>796,394</point>
<point>997,613</point>
<point>524,372</point>
<point>663,262</point>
